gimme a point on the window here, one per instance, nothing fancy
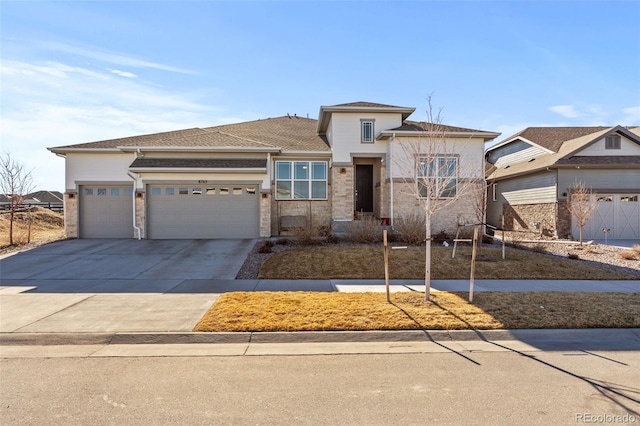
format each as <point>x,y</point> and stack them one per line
<point>169,191</point>
<point>612,142</point>
<point>211,191</point>
<point>102,191</point>
<point>237,191</point>
<point>156,191</point>
<point>196,191</point>
<point>629,198</point>
<point>493,192</point>
<point>605,198</point>
<point>88,191</point>
<point>366,131</point>
<point>301,180</point>
<point>437,177</point>
<point>128,192</point>
<point>183,191</point>
<point>115,192</point>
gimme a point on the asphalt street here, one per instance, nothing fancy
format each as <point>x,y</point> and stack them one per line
<point>500,387</point>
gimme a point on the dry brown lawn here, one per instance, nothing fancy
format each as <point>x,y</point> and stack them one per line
<point>311,311</point>
<point>45,225</point>
<point>366,262</point>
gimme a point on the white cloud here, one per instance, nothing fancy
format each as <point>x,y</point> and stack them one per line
<point>631,116</point>
<point>112,57</point>
<point>126,74</point>
<point>568,111</point>
<point>53,104</point>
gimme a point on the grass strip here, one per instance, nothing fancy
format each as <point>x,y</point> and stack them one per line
<point>318,311</point>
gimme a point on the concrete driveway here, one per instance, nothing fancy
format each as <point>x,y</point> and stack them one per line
<point>123,265</point>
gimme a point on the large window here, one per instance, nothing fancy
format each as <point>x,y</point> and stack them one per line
<point>437,177</point>
<point>301,180</point>
<point>366,131</point>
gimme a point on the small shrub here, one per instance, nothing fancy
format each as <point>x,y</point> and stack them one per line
<point>573,256</point>
<point>629,255</point>
<point>366,230</point>
<point>636,248</point>
<point>265,247</point>
<point>283,241</point>
<point>308,235</point>
<point>410,228</point>
<point>333,239</point>
<point>440,237</point>
<point>539,248</point>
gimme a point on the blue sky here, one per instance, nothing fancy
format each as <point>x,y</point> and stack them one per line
<point>74,72</point>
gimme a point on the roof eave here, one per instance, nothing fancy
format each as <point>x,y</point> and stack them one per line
<point>485,136</point>
<point>325,113</point>
<point>197,148</point>
<point>236,170</point>
<point>65,150</point>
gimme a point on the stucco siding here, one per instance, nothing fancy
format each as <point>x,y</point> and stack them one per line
<point>469,151</point>
<point>346,138</point>
<point>86,167</point>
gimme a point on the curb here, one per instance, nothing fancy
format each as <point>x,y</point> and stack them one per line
<point>631,337</point>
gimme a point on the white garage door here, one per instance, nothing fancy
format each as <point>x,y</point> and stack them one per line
<point>617,213</point>
<point>106,212</point>
<point>203,212</point>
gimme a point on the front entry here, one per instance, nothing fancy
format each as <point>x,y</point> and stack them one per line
<point>364,188</point>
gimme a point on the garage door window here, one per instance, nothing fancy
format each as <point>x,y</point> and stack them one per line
<point>88,191</point>
<point>102,191</point>
<point>169,191</point>
<point>156,191</point>
<point>301,180</point>
<point>629,198</point>
<point>183,191</point>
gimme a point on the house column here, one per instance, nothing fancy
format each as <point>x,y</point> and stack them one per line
<point>342,192</point>
<point>71,214</point>
<point>265,215</point>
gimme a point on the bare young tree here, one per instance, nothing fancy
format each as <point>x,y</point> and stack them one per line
<point>429,167</point>
<point>15,184</point>
<point>581,204</point>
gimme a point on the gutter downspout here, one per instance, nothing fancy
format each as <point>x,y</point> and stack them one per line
<point>389,167</point>
<point>135,185</point>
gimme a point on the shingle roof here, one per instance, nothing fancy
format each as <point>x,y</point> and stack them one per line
<point>366,105</point>
<point>289,133</point>
<point>553,137</point>
<point>564,155</point>
<point>617,160</point>
<point>189,163</point>
<point>46,196</point>
<point>421,126</point>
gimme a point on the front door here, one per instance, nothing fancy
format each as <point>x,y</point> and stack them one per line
<point>364,188</point>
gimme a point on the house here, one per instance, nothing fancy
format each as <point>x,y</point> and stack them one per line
<point>258,178</point>
<point>530,176</point>
<point>52,200</point>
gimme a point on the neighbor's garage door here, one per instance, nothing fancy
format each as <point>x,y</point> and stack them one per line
<point>106,212</point>
<point>619,213</point>
<point>212,211</point>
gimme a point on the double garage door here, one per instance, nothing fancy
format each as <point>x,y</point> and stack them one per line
<point>173,211</point>
<point>204,212</point>
<point>619,214</point>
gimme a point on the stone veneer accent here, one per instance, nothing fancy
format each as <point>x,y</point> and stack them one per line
<point>71,214</point>
<point>524,217</point>
<point>141,216</point>
<point>265,215</point>
<point>342,192</point>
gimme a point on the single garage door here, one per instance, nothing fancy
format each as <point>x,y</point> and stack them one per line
<point>203,212</point>
<point>106,212</point>
<point>617,213</point>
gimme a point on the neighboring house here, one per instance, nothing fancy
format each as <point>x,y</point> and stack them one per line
<point>48,199</point>
<point>258,178</point>
<point>530,174</point>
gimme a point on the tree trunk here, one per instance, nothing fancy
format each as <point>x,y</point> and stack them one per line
<point>427,252</point>
<point>11,227</point>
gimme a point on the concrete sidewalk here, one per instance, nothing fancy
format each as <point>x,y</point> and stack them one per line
<point>134,307</point>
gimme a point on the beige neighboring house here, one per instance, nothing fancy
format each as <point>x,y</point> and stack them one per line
<point>258,178</point>
<point>530,174</point>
